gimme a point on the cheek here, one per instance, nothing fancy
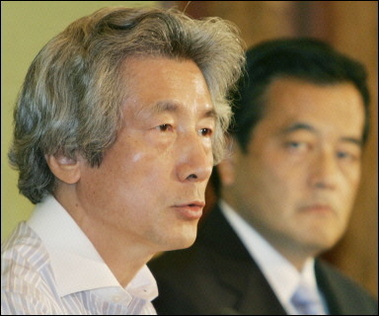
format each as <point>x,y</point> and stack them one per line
<point>270,172</point>
<point>126,159</point>
<point>349,189</point>
<point>97,184</point>
<point>277,185</point>
<point>141,172</point>
<point>354,177</point>
<point>118,172</point>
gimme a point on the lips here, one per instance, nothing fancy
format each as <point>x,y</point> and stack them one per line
<point>190,211</point>
<point>317,207</point>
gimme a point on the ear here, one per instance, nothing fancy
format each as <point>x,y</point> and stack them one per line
<point>65,169</point>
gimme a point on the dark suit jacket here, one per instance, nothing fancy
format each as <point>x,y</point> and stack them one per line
<point>218,276</point>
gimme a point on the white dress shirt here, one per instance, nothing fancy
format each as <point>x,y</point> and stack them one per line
<point>282,276</point>
<point>49,266</point>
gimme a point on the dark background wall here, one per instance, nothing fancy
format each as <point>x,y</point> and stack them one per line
<point>351,27</point>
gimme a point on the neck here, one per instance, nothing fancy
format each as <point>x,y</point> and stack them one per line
<point>124,255</point>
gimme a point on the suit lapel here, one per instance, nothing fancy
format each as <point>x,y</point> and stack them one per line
<point>236,269</point>
<point>337,301</point>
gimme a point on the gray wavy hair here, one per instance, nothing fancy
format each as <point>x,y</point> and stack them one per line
<point>71,98</point>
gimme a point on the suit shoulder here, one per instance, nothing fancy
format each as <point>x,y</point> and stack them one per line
<point>342,291</point>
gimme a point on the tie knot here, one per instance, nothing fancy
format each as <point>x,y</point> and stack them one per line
<point>306,301</point>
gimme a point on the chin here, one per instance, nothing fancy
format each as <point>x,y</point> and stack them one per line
<point>323,245</point>
<point>189,243</point>
<point>182,242</point>
<point>180,237</point>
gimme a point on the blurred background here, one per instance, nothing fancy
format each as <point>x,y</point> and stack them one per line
<point>350,26</point>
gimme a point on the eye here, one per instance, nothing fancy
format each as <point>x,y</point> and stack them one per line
<point>207,132</point>
<point>293,144</point>
<point>165,127</point>
<point>344,155</point>
<point>296,146</point>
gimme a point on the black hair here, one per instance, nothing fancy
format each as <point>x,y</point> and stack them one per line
<point>307,59</point>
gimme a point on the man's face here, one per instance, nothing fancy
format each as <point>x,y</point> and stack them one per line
<point>298,181</point>
<point>149,189</point>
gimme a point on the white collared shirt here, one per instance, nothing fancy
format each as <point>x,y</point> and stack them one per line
<point>49,266</point>
<point>282,276</point>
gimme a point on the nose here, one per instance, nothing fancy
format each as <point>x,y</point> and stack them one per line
<point>324,170</point>
<point>195,159</point>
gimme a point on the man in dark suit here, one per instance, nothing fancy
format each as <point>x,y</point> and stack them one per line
<point>288,186</point>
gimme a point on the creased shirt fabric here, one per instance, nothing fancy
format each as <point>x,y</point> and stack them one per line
<point>282,276</point>
<point>49,266</point>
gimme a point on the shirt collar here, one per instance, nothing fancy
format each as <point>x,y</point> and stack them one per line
<point>76,264</point>
<point>282,276</point>
<point>143,285</point>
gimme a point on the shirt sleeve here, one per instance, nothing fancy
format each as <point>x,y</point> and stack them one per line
<point>27,281</point>
<point>21,304</point>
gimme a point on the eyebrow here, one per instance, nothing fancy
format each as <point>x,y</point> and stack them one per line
<point>304,126</point>
<point>297,126</point>
<point>353,140</point>
<point>164,106</point>
<point>170,106</point>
